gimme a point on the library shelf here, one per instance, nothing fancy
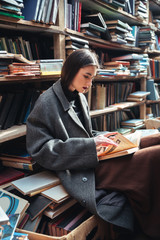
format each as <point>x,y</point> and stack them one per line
<point>102,79</point>
<point>12,133</point>
<point>21,79</point>
<point>111,12</point>
<point>100,43</point>
<point>29,26</point>
<point>115,107</point>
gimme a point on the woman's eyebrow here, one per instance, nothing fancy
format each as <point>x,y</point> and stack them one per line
<point>90,74</point>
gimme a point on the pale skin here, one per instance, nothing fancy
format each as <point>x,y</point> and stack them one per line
<point>82,82</point>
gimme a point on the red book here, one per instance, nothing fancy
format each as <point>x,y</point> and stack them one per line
<point>79,16</point>
<point>9,175</point>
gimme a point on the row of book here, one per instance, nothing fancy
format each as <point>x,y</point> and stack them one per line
<point>29,48</point>
<point>43,11</point>
<point>16,105</point>
<point>154,67</point>
<point>104,95</point>
<point>42,203</point>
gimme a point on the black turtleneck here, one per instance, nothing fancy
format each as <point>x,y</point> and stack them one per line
<point>73,98</point>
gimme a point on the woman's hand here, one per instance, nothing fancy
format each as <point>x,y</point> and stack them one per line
<point>106,139</point>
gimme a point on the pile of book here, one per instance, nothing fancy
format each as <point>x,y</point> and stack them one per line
<point>16,105</point>
<point>120,32</point>
<point>94,25</point>
<point>147,37</point>
<point>24,69</point>
<point>41,11</point>
<point>133,123</point>
<point>74,43</point>
<point>43,204</point>
<point>138,63</point>
<point>115,68</point>
<point>141,10</point>
<point>11,8</point>
<point>50,66</point>
<point>137,96</point>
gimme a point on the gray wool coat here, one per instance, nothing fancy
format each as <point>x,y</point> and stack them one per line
<point>59,142</point>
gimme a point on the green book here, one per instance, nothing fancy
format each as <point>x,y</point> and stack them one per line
<point>11,15</point>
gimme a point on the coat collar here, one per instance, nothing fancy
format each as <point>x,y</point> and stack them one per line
<point>57,88</point>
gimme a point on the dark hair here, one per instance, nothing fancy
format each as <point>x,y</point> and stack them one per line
<point>78,59</point>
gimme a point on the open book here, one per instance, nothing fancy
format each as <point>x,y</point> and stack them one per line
<point>126,145</point>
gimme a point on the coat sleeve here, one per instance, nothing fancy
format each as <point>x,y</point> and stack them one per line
<point>54,151</point>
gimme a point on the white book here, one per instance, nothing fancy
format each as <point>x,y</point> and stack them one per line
<point>36,182</point>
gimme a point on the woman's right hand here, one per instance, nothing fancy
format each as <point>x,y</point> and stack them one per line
<point>105,139</point>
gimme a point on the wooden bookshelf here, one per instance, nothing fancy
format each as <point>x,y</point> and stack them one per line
<point>111,12</point>
<point>100,43</point>
<point>22,79</point>
<point>12,133</point>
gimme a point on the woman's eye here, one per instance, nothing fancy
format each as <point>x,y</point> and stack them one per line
<point>86,77</point>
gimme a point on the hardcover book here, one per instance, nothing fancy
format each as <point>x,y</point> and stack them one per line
<point>9,229</point>
<point>36,182</point>
<point>126,145</point>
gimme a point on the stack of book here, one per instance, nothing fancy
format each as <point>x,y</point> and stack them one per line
<point>132,123</point>
<point>94,25</point>
<point>120,32</point>
<point>137,96</point>
<point>138,63</point>
<point>44,11</point>
<point>24,69</point>
<point>46,207</point>
<point>116,68</point>
<point>4,62</point>
<point>74,43</point>
<point>141,9</point>
<point>11,8</point>
<point>146,37</point>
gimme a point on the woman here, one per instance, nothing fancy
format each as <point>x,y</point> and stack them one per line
<point>60,138</point>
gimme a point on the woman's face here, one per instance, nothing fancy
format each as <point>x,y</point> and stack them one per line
<point>83,79</point>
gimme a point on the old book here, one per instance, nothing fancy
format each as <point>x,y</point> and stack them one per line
<point>4,219</point>
<point>9,174</point>
<point>32,225</point>
<point>132,122</point>
<point>138,94</point>
<point>36,182</point>
<point>56,194</point>
<point>126,145</point>
<point>14,204</point>
<point>60,208</point>
<point>38,204</point>
<point>31,166</point>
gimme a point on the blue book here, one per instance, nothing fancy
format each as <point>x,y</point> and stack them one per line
<point>30,10</point>
<point>150,87</point>
<point>9,229</point>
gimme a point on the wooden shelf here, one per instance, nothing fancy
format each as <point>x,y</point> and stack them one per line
<point>115,107</point>
<point>110,12</point>
<point>118,78</point>
<point>29,26</point>
<point>153,101</point>
<point>21,79</point>
<point>100,43</point>
<point>12,133</point>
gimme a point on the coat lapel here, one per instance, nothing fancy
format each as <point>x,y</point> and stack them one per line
<point>68,107</point>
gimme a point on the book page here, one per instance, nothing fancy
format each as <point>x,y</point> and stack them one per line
<point>123,144</point>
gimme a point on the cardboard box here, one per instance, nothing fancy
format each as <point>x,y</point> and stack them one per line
<point>92,229</point>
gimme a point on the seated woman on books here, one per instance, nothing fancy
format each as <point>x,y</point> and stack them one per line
<point>60,138</point>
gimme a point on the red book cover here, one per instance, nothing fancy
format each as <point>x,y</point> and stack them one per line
<point>79,16</point>
<point>9,175</point>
